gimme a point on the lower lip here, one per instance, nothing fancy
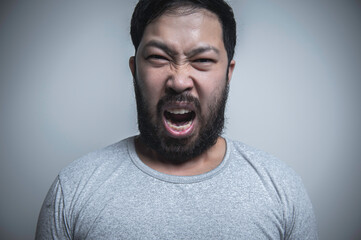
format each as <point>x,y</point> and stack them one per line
<point>179,134</point>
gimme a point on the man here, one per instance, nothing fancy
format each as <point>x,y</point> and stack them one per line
<point>179,179</point>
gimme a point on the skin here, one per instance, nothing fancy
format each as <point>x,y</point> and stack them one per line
<point>182,53</point>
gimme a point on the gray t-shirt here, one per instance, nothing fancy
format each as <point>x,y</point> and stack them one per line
<point>112,194</point>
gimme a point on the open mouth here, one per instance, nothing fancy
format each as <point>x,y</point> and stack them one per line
<point>179,121</point>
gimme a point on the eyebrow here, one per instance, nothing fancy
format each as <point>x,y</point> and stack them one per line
<point>162,46</point>
<point>169,51</point>
<point>202,49</point>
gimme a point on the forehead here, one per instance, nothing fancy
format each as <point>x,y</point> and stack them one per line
<point>185,28</point>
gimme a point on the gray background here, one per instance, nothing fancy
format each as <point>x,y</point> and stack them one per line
<point>66,89</point>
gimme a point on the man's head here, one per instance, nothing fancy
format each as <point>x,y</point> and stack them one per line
<point>182,67</point>
<point>148,10</point>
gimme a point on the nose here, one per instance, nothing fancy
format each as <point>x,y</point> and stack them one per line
<point>180,80</point>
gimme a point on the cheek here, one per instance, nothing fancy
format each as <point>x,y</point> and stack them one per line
<point>150,85</point>
<point>210,86</point>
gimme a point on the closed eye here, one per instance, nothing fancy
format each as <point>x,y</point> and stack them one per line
<point>203,64</point>
<point>204,60</point>
<point>156,57</point>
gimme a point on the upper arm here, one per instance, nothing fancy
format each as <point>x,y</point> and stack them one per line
<point>52,222</point>
<point>301,222</point>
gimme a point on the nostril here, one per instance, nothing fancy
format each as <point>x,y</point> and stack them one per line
<point>177,90</point>
<point>171,91</point>
<point>179,84</point>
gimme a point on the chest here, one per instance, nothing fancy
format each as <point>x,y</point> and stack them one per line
<point>178,211</point>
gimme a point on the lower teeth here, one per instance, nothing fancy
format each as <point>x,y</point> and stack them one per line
<point>179,128</point>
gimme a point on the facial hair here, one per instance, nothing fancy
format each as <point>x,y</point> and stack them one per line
<point>175,150</point>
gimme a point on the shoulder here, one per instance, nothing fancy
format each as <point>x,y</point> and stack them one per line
<point>259,159</point>
<point>95,167</point>
<point>281,184</point>
<point>275,175</point>
<point>108,156</point>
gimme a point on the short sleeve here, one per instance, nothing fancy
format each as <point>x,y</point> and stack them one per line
<point>52,222</point>
<point>302,221</point>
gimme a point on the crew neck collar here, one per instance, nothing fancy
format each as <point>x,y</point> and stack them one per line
<point>175,178</point>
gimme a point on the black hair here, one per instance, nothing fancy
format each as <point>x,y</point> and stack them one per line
<point>147,11</point>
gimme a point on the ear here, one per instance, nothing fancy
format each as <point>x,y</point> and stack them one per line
<point>132,65</point>
<point>232,64</point>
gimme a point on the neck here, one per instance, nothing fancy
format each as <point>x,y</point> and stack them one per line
<point>203,163</point>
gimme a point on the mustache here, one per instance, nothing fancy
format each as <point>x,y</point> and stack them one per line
<point>183,97</point>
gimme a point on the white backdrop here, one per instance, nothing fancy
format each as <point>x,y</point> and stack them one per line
<point>65,90</point>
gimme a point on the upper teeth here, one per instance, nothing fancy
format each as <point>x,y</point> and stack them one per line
<point>179,111</point>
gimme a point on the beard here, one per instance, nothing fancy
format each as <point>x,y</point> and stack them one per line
<point>180,150</point>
